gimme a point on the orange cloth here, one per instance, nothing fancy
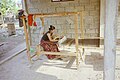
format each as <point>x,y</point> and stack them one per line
<point>30,20</point>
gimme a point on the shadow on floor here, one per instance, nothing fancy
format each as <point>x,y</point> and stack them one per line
<point>67,64</point>
<point>22,71</point>
<point>96,60</point>
<point>40,66</point>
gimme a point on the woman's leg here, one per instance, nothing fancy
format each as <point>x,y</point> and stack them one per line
<point>50,48</point>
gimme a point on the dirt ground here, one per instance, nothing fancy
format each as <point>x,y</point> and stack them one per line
<point>18,68</point>
<point>10,42</point>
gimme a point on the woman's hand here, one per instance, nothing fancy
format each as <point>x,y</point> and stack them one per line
<point>56,38</point>
<point>50,38</point>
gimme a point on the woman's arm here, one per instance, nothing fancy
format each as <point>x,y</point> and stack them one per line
<point>49,36</point>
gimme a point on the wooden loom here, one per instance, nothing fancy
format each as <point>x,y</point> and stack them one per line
<point>64,53</point>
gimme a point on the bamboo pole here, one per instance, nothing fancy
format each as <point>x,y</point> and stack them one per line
<point>27,41</point>
<point>82,28</point>
<point>42,19</point>
<point>76,38</point>
<point>43,23</point>
<point>82,32</point>
<point>29,30</point>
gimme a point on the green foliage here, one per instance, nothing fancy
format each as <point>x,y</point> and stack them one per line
<point>8,5</point>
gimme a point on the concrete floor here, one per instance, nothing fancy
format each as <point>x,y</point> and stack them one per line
<point>92,69</point>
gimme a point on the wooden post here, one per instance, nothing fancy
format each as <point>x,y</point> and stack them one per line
<point>27,41</point>
<point>29,30</point>
<point>102,22</point>
<point>43,24</point>
<point>42,19</point>
<point>76,39</point>
<point>82,33</point>
<point>82,28</point>
<point>110,39</point>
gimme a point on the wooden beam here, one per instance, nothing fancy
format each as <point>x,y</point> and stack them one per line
<point>33,55</point>
<point>64,53</point>
<point>56,14</point>
<point>70,42</point>
<point>91,38</point>
<point>110,39</point>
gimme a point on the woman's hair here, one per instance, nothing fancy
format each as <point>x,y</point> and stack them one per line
<point>51,27</point>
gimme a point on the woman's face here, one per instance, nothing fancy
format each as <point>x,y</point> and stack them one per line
<point>52,31</point>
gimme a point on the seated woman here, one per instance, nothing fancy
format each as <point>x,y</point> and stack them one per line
<point>48,43</point>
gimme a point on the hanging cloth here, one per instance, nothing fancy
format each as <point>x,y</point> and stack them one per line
<point>31,22</point>
<point>30,19</point>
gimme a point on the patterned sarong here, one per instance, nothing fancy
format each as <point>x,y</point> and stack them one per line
<point>50,47</point>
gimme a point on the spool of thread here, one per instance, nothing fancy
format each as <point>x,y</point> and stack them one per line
<point>32,50</point>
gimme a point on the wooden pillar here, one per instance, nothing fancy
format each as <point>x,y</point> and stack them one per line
<point>27,41</point>
<point>110,39</point>
<point>43,24</point>
<point>42,19</point>
<point>29,30</point>
<point>82,33</point>
<point>82,28</point>
<point>76,39</point>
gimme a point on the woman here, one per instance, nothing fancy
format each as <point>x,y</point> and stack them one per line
<point>48,43</point>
